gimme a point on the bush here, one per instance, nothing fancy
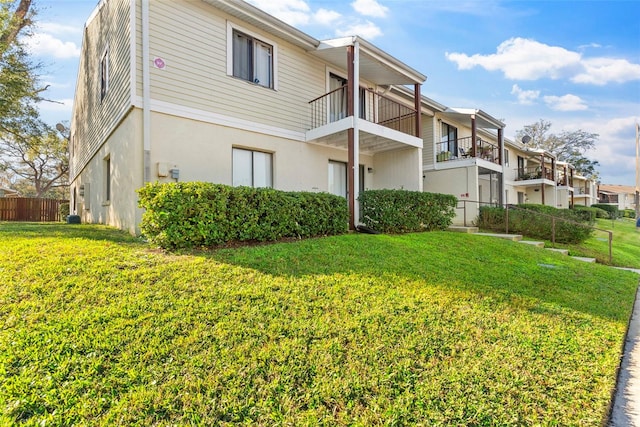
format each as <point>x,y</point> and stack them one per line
<point>629,213</point>
<point>192,214</point>
<point>611,209</point>
<point>589,214</point>
<point>63,210</point>
<point>401,211</point>
<point>537,221</point>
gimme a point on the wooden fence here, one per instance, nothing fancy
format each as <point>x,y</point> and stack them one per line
<point>30,209</point>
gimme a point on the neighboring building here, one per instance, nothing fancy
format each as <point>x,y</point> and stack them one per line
<point>220,91</point>
<point>584,191</point>
<point>8,192</point>
<point>461,155</point>
<point>622,196</point>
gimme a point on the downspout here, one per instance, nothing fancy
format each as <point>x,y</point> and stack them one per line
<point>356,130</point>
<point>418,107</point>
<point>501,162</point>
<point>146,92</point>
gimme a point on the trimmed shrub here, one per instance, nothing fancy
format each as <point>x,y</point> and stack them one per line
<point>401,211</point>
<point>536,221</point>
<point>193,214</point>
<point>64,210</point>
<point>611,209</point>
<point>629,213</point>
<point>589,214</point>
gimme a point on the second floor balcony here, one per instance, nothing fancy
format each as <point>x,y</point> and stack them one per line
<point>534,173</point>
<point>462,148</point>
<point>374,108</point>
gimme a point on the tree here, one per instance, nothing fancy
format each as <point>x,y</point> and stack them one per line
<point>38,164</point>
<point>567,146</point>
<point>33,157</point>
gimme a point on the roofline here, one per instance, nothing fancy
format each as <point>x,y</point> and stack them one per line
<point>375,51</point>
<point>274,25</point>
<point>477,112</point>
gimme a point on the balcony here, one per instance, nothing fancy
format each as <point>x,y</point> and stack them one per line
<point>564,180</point>
<point>532,173</point>
<point>581,192</point>
<point>374,108</point>
<point>463,149</point>
<point>385,124</point>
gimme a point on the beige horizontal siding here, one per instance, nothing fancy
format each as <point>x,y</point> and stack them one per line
<point>191,38</point>
<point>94,119</point>
<point>427,137</point>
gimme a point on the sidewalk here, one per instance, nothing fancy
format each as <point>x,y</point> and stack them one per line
<point>625,411</point>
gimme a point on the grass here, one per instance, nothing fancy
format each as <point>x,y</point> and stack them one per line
<point>625,243</point>
<point>96,328</point>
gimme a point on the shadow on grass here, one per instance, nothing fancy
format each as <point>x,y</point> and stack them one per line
<point>492,267</point>
<point>485,266</point>
<point>41,230</point>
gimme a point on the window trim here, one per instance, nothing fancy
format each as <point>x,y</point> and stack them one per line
<point>107,179</point>
<point>253,151</point>
<point>104,74</point>
<point>231,27</point>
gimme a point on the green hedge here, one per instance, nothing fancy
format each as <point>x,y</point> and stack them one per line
<point>613,210</point>
<point>401,211</point>
<point>64,210</point>
<point>629,213</point>
<point>589,213</point>
<point>535,221</point>
<point>193,214</point>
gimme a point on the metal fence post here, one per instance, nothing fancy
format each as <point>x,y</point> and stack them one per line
<point>610,249</point>
<point>507,220</point>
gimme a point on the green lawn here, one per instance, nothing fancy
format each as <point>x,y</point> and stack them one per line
<point>97,328</point>
<point>625,243</point>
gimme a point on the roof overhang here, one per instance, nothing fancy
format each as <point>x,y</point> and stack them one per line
<point>270,24</point>
<point>376,65</point>
<point>483,120</point>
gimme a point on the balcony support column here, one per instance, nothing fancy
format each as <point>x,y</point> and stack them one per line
<point>418,107</point>
<point>353,134</point>
<point>474,143</point>
<point>542,176</point>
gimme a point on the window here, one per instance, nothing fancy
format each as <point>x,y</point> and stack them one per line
<point>107,179</point>
<point>506,157</point>
<point>252,168</point>
<point>104,74</point>
<point>338,178</point>
<point>339,181</point>
<point>449,139</point>
<point>252,59</point>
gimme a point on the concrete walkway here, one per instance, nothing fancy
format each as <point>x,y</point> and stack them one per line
<point>625,410</point>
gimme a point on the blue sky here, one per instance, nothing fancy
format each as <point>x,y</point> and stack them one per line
<point>573,63</point>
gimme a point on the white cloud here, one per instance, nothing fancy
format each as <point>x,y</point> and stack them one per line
<point>600,71</point>
<point>522,59</point>
<point>293,12</point>
<point>368,30</point>
<point>565,103</point>
<point>47,45</point>
<point>615,149</point>
<point>525,59</point>
<point>55,28</point>
<point>525,97</point>
<point>370,8</point>
<point>326,17</point>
